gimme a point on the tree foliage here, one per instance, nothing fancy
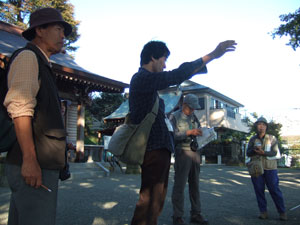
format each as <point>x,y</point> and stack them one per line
<point>291,28</point>
<point>17,12</point>
<point>101,105</point>
<point>105,104</point>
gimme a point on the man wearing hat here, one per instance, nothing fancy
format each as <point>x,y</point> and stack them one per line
<point>34,162</point>
<point>187,160</point>
<point>266,147</point>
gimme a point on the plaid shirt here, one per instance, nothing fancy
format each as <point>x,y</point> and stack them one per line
<point>142,95</point>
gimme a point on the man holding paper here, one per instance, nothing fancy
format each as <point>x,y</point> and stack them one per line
<point>187,160</point>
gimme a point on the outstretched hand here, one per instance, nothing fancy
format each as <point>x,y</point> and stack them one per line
<point>223,47</point>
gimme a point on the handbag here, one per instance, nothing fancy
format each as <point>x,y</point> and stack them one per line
<point>255,166</point>
<point>129,141</point>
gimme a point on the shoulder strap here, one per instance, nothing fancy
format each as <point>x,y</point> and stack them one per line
<point>196,120</point>
<point>155,106</point>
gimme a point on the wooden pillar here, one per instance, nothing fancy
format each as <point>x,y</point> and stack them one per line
<point>207,111</point>
<point>80,132</point>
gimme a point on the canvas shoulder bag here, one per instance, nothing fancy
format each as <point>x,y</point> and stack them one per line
<point>129,141</point>
<point>255,166</point>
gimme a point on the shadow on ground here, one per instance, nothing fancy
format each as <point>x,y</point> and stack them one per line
<point>227,197</point>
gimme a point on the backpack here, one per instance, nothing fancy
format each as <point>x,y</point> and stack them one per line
<point>7,131</point>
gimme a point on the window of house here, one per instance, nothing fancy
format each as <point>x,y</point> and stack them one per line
<point>231,111</point>
<point>201,103</point>
<point>220,105</point>
<point>212,103</point>
<point>216,104</point>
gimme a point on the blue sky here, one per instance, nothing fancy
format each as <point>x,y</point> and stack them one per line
<point>262,74</point>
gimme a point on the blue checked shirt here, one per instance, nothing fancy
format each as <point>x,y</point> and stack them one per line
<point>142,95</point>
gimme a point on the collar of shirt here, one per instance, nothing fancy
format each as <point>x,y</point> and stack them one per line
<point>44,54</point>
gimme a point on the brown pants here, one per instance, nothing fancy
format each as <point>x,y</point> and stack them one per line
<point>154,184</point>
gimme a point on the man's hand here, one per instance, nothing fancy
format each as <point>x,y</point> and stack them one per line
<point>194,132</point>
<point>222,48</point>
<point>31,172</point>
<point>259,151</point>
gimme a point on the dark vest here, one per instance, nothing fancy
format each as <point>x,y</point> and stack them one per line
<point>49,134</point>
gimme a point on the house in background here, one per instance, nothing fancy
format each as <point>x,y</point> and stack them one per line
<point>217,110</point>
<point>222,113</point>
<point>74,83</point>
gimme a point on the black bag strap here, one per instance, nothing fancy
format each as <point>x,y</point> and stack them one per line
<point>196,120</point>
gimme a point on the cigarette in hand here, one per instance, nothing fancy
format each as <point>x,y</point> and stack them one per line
<point>46,188</point>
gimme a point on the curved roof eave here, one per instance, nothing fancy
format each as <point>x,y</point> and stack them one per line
<point>63,64</point>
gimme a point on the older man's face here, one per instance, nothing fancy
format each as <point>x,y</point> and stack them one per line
<point>52,38</point>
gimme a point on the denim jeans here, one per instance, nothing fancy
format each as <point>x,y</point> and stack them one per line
<point>271,180</point>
